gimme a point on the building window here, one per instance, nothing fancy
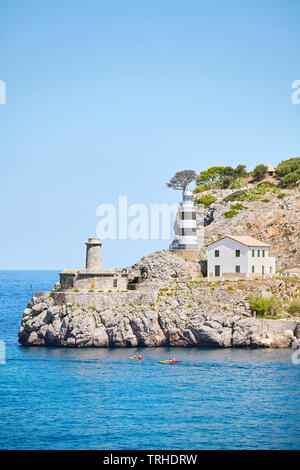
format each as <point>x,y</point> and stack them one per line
<point>237,269</point>
<point>253,269</point>
<point>217,253</point>
<point>237,253</point>
<point>263,253</point>
<point>258,253</point>
<point>115,282</point>
<point>253,253</point>
<point>217,271</point>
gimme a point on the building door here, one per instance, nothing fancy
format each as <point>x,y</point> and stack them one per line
<point>217,271</point>
<point>263,270</point>
<point>93,283</point>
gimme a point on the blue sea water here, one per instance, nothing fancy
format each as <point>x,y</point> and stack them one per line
<point>57,398</point>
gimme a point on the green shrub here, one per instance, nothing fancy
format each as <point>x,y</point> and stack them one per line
<point>237,183</point>
<point>288,166</point>
<point>229,214</point>
<point>206,200</point>
<point>238,207</point>
<point>289,172</point>
<point>269,317</point>
<point>264,305</point>
<point>281,195</point>
<point>75,290</point>
<point>266,200</point>
<point>91,290</point>
<point>91,307</point>
<point>199,189</point>
<point>250,194</point>
<point>294,307</point>
<point>259,172</point>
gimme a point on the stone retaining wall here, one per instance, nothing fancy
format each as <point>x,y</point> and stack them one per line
<point>279,326</point>
<point>102,300</point>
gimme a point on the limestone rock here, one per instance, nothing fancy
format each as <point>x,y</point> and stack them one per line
<point>276,222</point>
<point>182,311</point>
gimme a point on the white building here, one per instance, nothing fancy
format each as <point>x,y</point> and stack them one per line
<point>186,225</point>
<point>239,257</point>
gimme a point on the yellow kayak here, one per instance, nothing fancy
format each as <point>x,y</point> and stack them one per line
<point>136,358</point>
<point>169,361</point>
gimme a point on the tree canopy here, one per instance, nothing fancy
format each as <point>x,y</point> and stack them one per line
<point>259,172</point>
<point>181,179</point>
<point>289,172</point>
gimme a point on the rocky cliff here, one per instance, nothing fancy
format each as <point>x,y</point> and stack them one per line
<point>269,218</point>
<point>185,312</point>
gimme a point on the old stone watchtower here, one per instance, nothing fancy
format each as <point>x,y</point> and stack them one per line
<point>93,277</point>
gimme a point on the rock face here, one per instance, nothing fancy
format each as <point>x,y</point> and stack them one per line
<point>186,313</point>
<point>270,219</point>
<point>161,268</point>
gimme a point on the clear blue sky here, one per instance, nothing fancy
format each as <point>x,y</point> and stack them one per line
<point>113,97</point>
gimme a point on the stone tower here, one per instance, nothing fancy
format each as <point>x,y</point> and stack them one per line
<point>93,254</point>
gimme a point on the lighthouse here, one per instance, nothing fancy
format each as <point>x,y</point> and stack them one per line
<point>185,226</point>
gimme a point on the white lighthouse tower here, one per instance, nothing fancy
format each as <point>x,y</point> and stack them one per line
<point>186,225</point>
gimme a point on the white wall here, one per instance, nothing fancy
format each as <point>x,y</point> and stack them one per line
<point>258,262</point>
<point>228,261</point>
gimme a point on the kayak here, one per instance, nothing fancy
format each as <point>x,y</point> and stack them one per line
<point>169,361</point>
<point>136,359</point>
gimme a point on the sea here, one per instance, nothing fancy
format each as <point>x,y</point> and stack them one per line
<point>97,398</point>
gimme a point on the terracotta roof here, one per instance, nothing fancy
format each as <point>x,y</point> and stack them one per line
<point>244,239</point>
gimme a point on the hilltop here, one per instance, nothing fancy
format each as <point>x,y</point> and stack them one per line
<point>265,206</point>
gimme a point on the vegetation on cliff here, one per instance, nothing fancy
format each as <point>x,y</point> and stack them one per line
<point>287,174</point>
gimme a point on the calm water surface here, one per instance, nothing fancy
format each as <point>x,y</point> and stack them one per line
<point>55,398</point>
